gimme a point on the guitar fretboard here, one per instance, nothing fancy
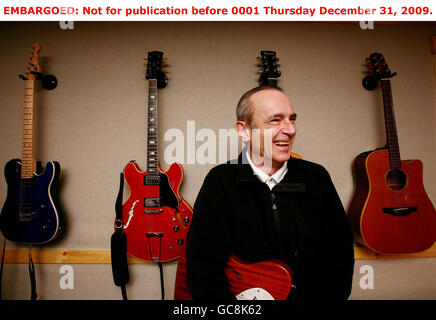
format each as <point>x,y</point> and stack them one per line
<point>391,129</point>
<point>28,164</point>
<point>152,130</point>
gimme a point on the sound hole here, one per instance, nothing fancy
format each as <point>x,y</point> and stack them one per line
<point>396,180</point>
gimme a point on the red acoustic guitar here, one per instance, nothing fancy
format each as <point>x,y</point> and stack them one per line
<point>264,280</point>
<point>390,211</point>
<point>155,216</point>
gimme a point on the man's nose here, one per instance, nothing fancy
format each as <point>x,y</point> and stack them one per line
<point>288,127</point>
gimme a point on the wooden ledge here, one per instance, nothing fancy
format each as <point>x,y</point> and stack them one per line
<point>104,256</point>
<point>64,256</point>
<point>363,253</point>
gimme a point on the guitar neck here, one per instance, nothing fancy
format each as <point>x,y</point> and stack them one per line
<point>391,129</point>
<point>152,129</point>
<point>272,82</point>
<point>28,164</point>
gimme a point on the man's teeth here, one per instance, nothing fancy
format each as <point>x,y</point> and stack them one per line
<point>282,143</point>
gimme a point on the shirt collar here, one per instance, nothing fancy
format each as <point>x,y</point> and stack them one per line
<point>277,176</point>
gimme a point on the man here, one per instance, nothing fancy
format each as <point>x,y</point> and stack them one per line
<point>270,206</point>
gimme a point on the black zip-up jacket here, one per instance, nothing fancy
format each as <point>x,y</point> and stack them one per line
<point>301,221</point>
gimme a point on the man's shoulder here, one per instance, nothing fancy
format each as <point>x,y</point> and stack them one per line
<point>306,167</point>
<point>228,168</point>
<point>305,164</point>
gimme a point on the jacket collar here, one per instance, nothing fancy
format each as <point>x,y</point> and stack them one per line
<point>244,173</point>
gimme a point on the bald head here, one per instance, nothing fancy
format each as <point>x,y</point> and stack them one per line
<point>245,107</point>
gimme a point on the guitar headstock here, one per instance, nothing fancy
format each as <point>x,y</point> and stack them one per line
<point>269,68</point>
<point>154,69</point>
<point>33,66</point>
<point>378,67</point>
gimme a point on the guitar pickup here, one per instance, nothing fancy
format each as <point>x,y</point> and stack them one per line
<point>151,202</point>
<point>151,180</point>
<point>28,184</point>
<point>400,211</point>
<point>153,211</point>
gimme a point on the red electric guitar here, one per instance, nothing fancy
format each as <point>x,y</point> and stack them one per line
<point>390,212</point>
<point>155,216</point>
<point>264,280</point>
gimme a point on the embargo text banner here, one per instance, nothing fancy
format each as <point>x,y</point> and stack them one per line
<point>248,10</point>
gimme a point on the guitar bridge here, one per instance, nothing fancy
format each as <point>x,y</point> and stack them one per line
<point>153,211</point>
<point>400,211</point>
<point>27,212</point>
<point>154,234</point>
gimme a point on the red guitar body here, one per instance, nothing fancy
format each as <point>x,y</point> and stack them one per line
<point>388,215</point>
<point>272,276</point>
<point>155,217</point>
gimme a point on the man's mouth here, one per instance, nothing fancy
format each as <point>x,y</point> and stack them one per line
<point>281,143</point>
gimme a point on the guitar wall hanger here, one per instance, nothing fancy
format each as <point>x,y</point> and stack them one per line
<point>269,72</point>
<point>370,81</point>
<point>49,81</point>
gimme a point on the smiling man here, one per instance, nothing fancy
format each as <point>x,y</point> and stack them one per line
<point>268,205</point>
<point>266,121</point>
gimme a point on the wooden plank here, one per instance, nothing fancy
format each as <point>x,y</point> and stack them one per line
<point>64,256</point>
<point>363,253</point>
<point>104,256</point>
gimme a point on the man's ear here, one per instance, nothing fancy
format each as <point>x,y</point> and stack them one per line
<point>243,130</point>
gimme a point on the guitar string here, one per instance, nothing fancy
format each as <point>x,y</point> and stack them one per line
<point>151,168</point>
<point>388,122</point>
<point>393,143</point>
<point>28,107</point>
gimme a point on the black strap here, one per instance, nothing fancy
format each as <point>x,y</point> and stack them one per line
<point>1,266</point>
<point>120,270</point>
<point>162,287</point>
<point>33,294</point>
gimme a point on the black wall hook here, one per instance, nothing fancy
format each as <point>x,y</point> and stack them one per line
<point>49,81</point>
<point>369,83</point>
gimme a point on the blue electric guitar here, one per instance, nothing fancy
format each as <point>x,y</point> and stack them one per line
<point>29,214</point>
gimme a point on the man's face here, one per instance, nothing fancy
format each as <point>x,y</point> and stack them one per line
<point>272,129</point>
